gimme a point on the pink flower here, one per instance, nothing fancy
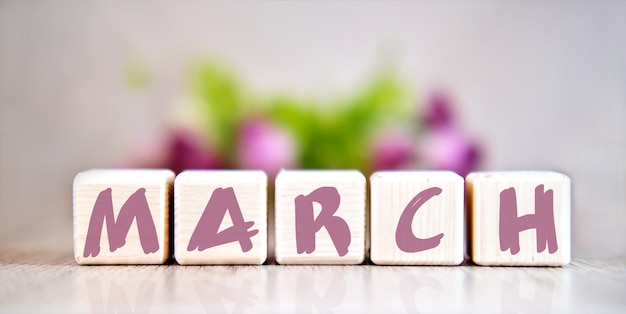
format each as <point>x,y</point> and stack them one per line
<point>446,148</point>
<point>393,150</point>
<point>149,150</point>
<point>264,146</point>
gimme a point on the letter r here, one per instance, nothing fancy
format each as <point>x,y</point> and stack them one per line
<point>307,225</point>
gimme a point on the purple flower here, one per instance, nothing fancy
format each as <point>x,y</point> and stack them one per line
<point>393,150</point>
<point>438,111</point>
<point>264,146</point>
<point>177,150</point>
<point>187,150</point>
<point>446,148</point>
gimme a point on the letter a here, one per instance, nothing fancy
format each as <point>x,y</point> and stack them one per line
<point>542,220</point>
<point>307,225</point>
<point>136,206</point>
<point>405,239</point>
<point>206,233</point>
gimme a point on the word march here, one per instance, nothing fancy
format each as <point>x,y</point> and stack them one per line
<point>415,217</point>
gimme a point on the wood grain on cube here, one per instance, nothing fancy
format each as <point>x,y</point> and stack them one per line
<point>122,216</point>
<point>416,218</point>
<point>520,218</point>
<point>220,217</point>
<point>320,217</point>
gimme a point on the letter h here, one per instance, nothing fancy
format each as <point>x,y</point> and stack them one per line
<point>542,221</point>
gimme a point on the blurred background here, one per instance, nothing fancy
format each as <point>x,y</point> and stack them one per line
<point>369,85</point>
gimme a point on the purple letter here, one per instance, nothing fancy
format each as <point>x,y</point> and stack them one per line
<point>542,221</point>
<point>405,239</point>
<point>136,206</point>
<point>307,225</point>
<point>206,233</point>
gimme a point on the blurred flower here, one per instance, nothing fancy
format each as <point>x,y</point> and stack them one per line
<point>335,133</point>
<point>437,111</point>
<point>149,150</point>
<point>446,148</point>
<point>261,145</point>
<point>187,150</point>
<point>393,150</point>
<point>178,150</point>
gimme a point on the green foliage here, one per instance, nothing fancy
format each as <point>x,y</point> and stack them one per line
<point>337,134</point>
<point>221,102</point>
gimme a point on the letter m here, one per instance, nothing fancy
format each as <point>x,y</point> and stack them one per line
<point>135,207</point>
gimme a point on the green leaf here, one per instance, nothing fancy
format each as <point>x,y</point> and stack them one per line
<point>221,102</point>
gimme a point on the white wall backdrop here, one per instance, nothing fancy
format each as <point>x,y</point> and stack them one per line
<point>543,85</point>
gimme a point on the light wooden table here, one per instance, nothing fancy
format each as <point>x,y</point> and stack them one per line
<point>43,281</point>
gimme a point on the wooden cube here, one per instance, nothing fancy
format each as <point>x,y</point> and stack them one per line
<point>416,218</point>
<point>122,216</point>
<point>220,217</point>
<point>519,218</point>
<point>320,217</point>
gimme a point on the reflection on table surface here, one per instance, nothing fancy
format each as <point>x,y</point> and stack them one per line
<point>53,282</point>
